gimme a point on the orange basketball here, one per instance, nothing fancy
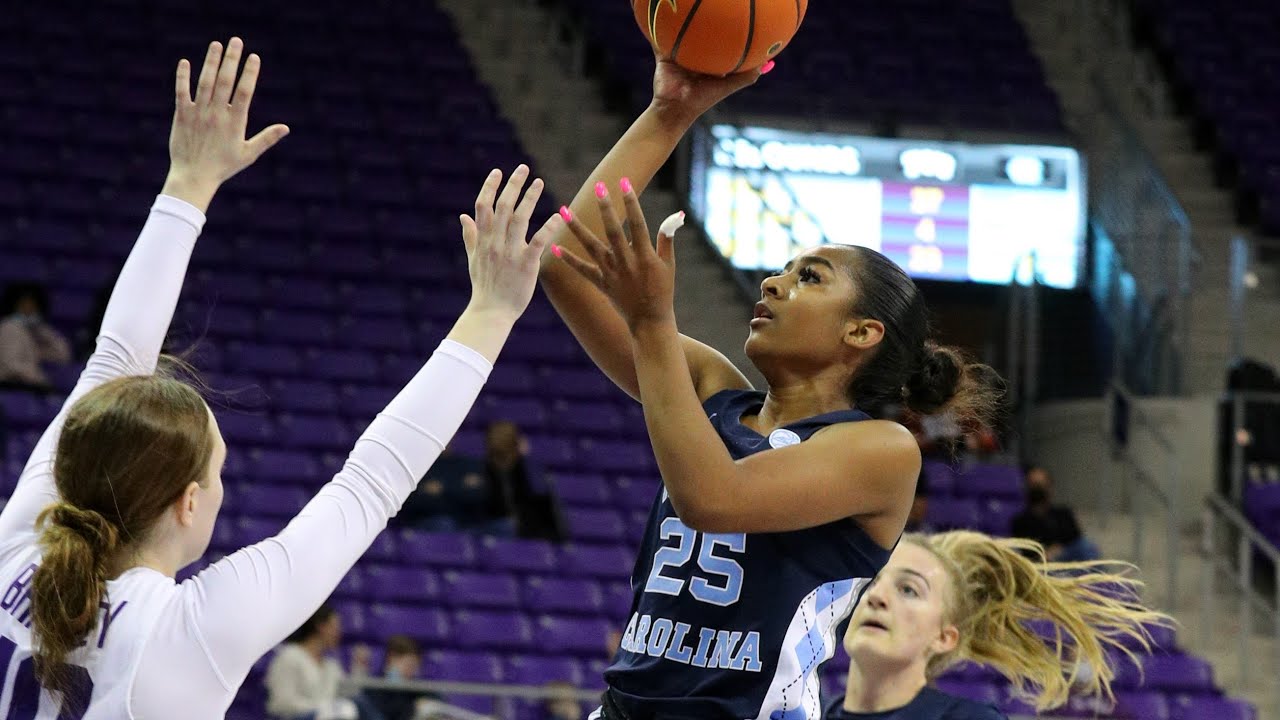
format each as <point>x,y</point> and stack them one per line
<point>719,37</point>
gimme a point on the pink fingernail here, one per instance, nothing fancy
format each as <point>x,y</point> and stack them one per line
<point>555,250</point>
<point>566,213</point>
<point>625,184</point>
<point>767,67</point>
<point>602,190</point>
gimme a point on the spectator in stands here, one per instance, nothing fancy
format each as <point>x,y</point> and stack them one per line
<point>964,596</point>
<point>517,494</point>
<point>26,340</point>
<point>563,706</point>
<point>1053,526</point>
<point>917,520</point>
<point>302,679</point>
<point>450,496</point>
<point>402,661</point>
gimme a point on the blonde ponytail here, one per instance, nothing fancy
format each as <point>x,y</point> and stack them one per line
<point>1002,585</point>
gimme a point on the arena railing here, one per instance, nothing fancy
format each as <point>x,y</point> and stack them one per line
<point>503,692</point>
<point>1224,526</point>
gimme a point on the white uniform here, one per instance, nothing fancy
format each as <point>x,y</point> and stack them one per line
<point>164,650</point>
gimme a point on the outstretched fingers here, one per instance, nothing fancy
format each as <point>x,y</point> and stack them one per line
<point>484,201</point>
<point>226,81</point>
<point>243,96</point>
<point>208,73</point>
<point>518,227</point>
<point>182,84</point>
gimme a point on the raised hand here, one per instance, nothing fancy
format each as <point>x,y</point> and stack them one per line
<point>686,95</point>
<point>207,144</point>
<point>637,277</point>
<point>503,267</point>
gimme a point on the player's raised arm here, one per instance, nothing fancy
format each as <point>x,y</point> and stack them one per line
<point>285,578</point>
<point>680,98</point>
<point>207,146</point>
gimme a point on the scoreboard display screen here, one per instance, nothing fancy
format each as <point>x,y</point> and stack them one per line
<point>941,210</point>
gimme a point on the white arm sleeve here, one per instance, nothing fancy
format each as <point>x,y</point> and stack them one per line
<point>246,603</point>
<point>133,330</point>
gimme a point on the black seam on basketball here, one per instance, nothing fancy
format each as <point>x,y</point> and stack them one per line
<point>751,31</point>
<point>688,20</point>
<point>798,12</point>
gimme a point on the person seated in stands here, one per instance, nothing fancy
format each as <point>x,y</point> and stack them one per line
<point>563,705</point>
<point>27,340</point>
<point>303,678</point>
<point>450,496</point>
<point>402,661</point>
<point>517,497</point>
<point>1053,526</point>
<point>917,519</point>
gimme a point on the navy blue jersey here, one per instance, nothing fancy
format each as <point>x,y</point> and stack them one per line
<point>929,704</point>
<point>733,625</point>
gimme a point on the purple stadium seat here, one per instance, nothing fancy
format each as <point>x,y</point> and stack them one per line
<point>616,456</point>
<point>636,493</point>
<point>353,586</point>
<point>284,466</point>
<point>428,626</point>
<point>385,548</point>
<point>1003,481</point>
<point>377,333</point>
<point>940,477</point>
<point>26,410</point>
<point>1218,708</point>
<point>300,292</point>
<point>540,670</point>
<point>456,550</point>
<point>296,328</point>
<point>581,489</point>
<point>553,451</point>
<point>953,513</point>
<point>251,530</point>
<point>562,595</point>
<point>480,590</point>
<point>394,584</point>
<point>618,597</point>
<point>1141,705</point>
<point>598,561</point>
<point>517,555</point>
<point>591,418</point>
<point>571,635</point>
<point>303,396</point>
<point>484,630</point>
<point>278,360</point>
<point>274,501</point>
<point>595,525</point>
<point>574,382</point>
<point>341,365</point>
<point>997,515</point>
<point>314,432</point>
<point>1176,672</point>
<point>462,666</point>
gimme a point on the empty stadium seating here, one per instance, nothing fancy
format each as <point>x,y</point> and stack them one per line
<point>327,274</point>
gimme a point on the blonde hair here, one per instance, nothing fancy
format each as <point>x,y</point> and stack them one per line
<point>1000,585</point>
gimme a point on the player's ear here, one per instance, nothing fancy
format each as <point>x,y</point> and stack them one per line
<point>863,334</point>
<point>185,505</point>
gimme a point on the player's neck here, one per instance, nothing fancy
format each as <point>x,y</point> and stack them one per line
<point>877,692</point>
<point>788,404</point>
<point>164,560</point>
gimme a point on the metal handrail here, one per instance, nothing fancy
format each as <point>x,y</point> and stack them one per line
<point>503,690</point>
<point>1213,562</point>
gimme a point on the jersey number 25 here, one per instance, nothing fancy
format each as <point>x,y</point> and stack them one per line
<point>720,582</point>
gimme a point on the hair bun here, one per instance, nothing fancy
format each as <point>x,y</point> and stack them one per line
<point>89,525</point>
<point>936,380</point>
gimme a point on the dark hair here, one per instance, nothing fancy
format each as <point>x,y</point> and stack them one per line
<point>908,369</point>
<point>128,450</point>
<point>311,626</point>
<point>402,645</point>
<point>16,291</point>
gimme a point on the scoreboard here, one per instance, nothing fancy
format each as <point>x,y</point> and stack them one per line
<point>941,210</point>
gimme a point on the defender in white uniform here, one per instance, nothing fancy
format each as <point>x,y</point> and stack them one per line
<point>158,649</point>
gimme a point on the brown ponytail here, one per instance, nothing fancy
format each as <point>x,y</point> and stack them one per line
<point>128,450</point>
<point>998,590</point>
<point>77,546</point>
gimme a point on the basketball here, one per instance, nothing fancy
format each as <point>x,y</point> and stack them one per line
<point>719,37</point>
